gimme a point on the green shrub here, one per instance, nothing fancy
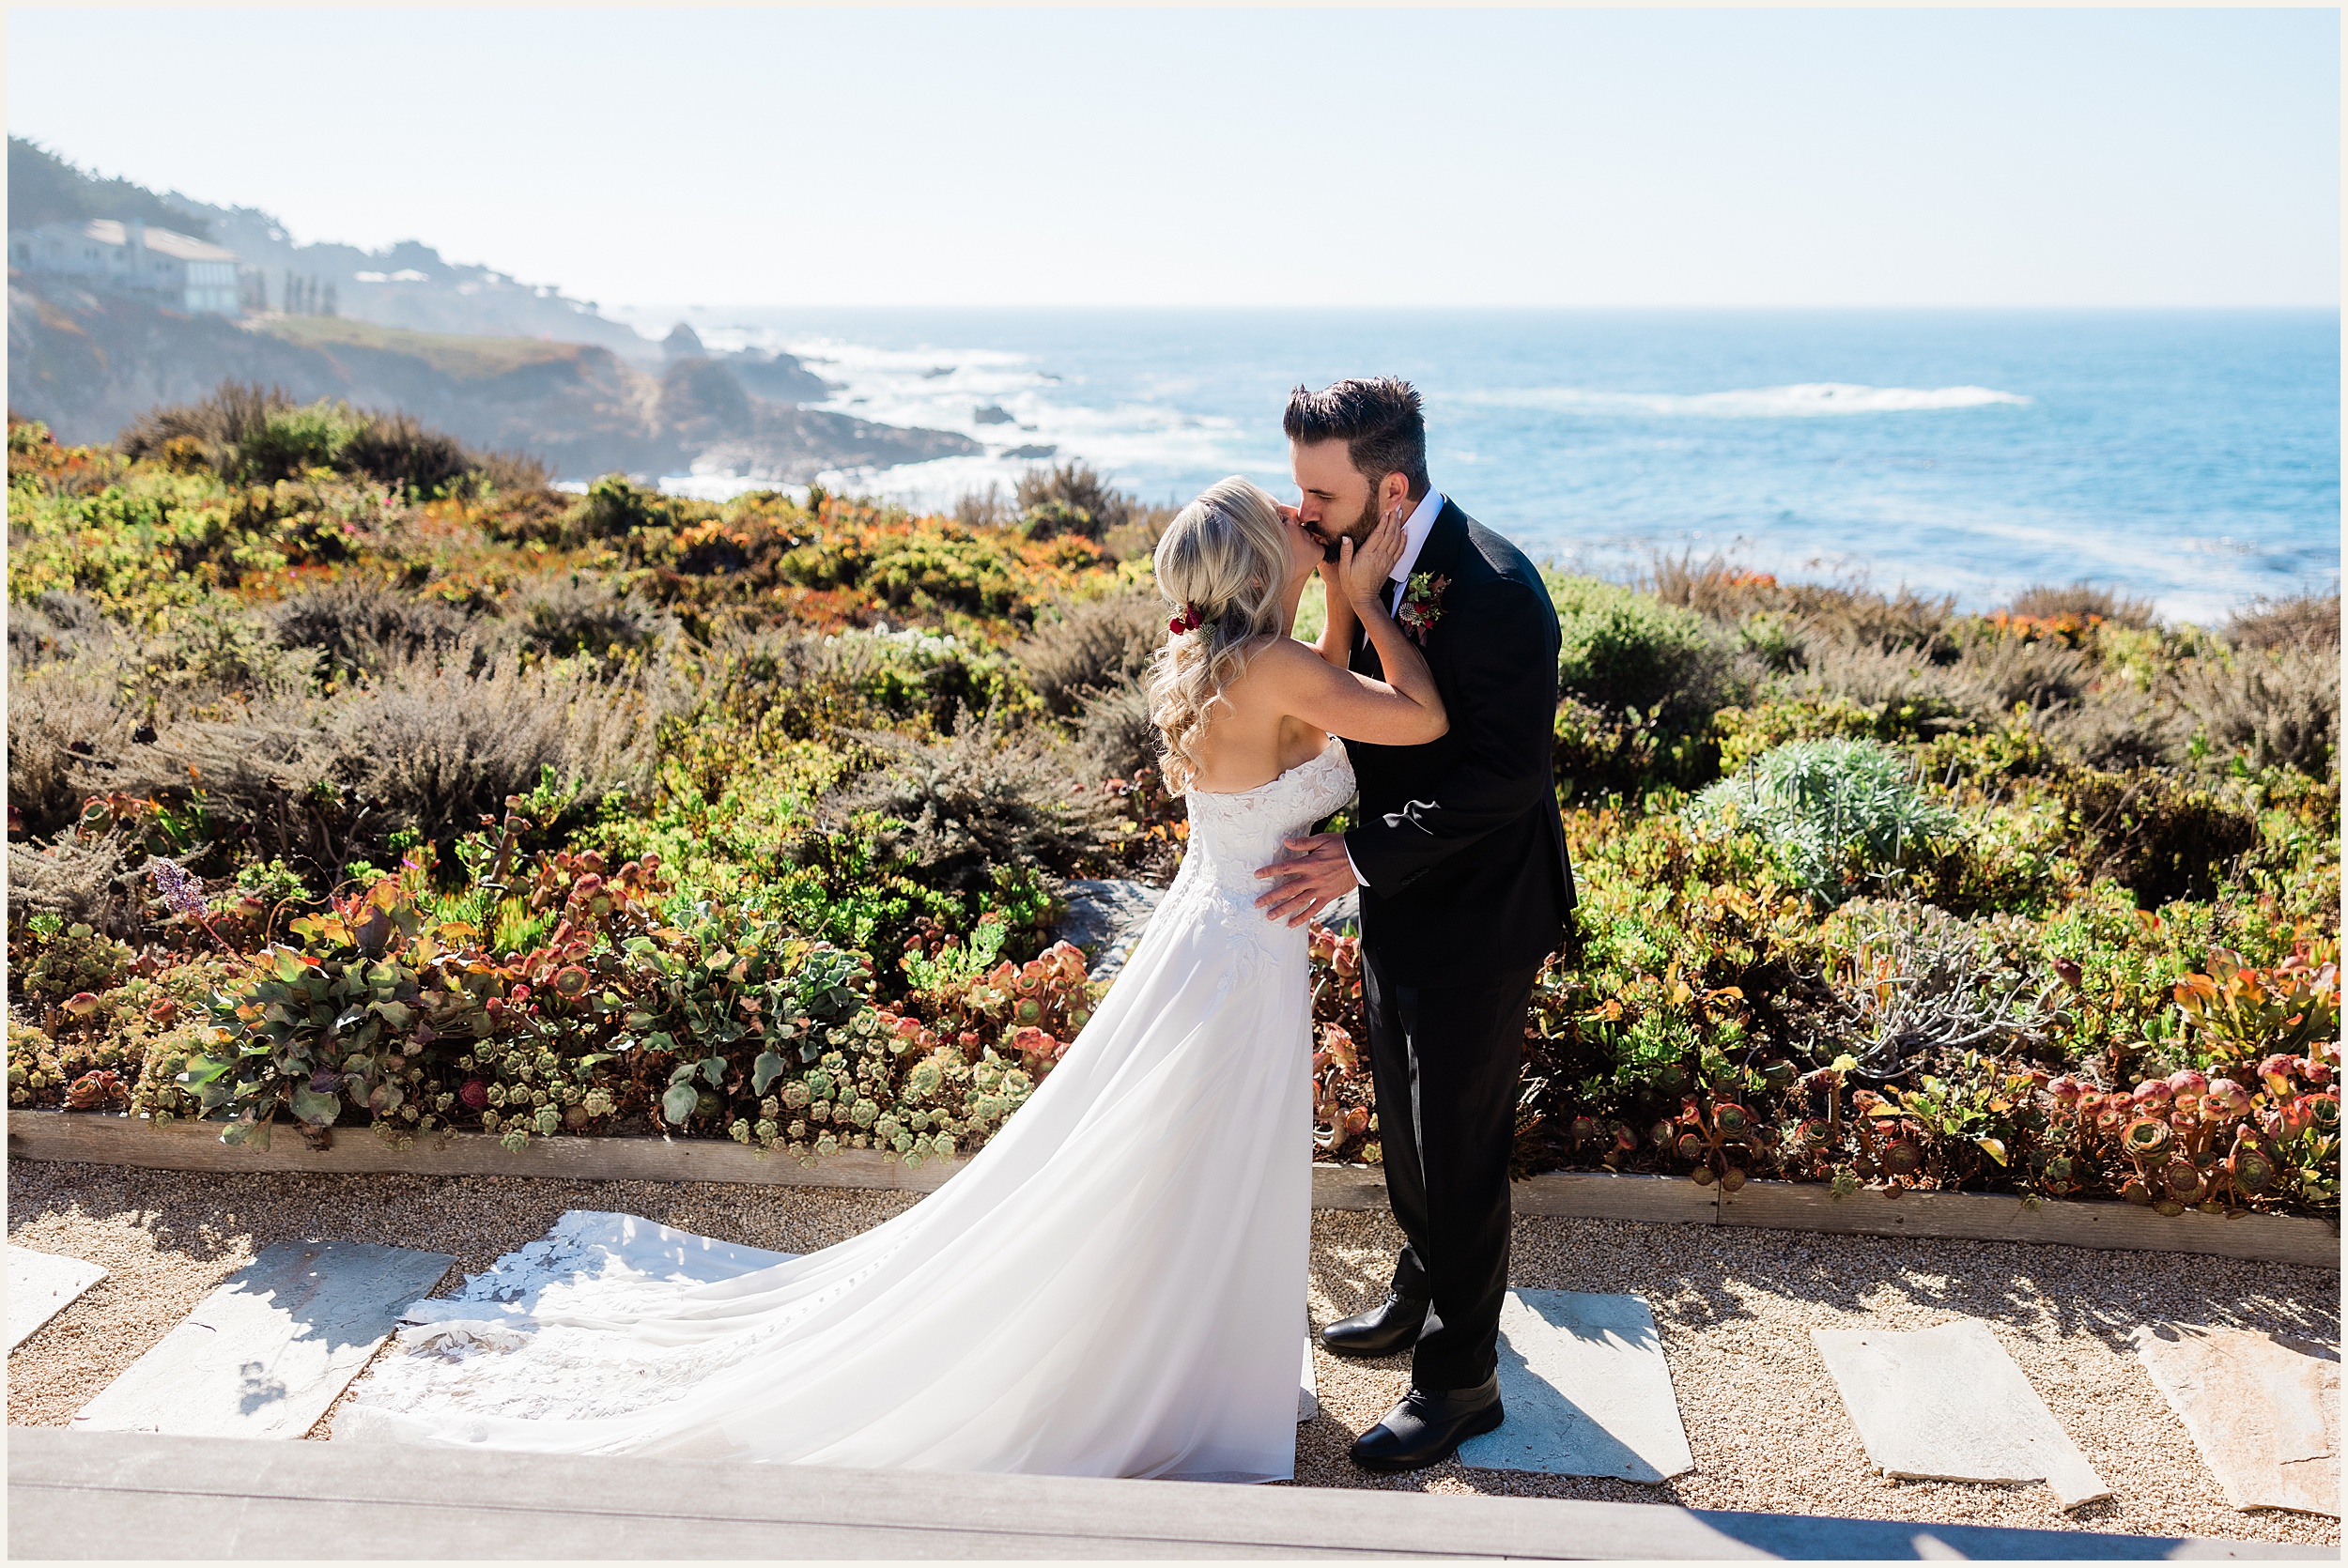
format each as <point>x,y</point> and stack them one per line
<point>1901,687</point>
<point>2277,708</point>
<point>217,650</point>
<point>400,451</point>
<point>976,804</point>
<point>365,623</point>
<point>615,508</point>
<point>250,436</point>
<point>64,719</point>
<point>577,614</point>
<point>2311,620</point>
<point>1745,732</point>
<point>1115,736</point>
<point>1078,649</point>
<point>1620,649</point>
<point>2156,835</point>
<point>72,879</point>
<point>1072,497</point>
<point>429,749</point>
<point>1598,752</point>
<point>1836,815</point>
<point>2082,601</point>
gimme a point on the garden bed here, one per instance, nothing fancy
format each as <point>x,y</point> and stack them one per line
<point>110,1140</point>
<point>626,828</point>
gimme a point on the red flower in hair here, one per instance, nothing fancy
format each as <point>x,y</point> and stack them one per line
<point>1187,618</point>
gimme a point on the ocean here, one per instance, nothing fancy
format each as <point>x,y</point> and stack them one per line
<point>2191,458</point>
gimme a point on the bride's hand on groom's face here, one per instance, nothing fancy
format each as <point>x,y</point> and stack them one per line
<point>1302,887</point>
<point>1364,566</point>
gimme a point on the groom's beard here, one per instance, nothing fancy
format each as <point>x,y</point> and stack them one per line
<point>1361,528</point>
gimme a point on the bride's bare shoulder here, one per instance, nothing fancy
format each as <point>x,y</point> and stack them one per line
<point>1285,656</point>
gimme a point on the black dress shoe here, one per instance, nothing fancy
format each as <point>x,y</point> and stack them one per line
<point>1392,1325</point>
<point>1428,1426</point>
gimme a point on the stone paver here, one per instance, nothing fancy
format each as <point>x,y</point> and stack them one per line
<point>2267,1417</point>
<point>266,1354</point>
<point>41,1286</point>
<point>1948,1404</point>
<point>1587,1389</point>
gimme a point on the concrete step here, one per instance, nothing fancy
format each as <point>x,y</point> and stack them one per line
<point>266,1354</point>
<point>84,1495</point>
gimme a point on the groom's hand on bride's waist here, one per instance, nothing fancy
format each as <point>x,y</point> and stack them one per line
<point>1302,887</point>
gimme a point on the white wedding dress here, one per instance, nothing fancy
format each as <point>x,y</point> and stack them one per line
<point>1114,1285</point>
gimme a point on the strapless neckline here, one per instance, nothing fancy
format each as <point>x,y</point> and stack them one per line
<point>1331,744</point>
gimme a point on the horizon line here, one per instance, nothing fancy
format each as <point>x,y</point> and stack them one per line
<point>951,306</point>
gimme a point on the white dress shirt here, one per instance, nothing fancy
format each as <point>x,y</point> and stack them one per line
<point>1415,528</point>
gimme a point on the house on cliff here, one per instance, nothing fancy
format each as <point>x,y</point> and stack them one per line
<point>133,257</point>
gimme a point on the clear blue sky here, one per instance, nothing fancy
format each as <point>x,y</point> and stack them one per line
<point>974,157</point>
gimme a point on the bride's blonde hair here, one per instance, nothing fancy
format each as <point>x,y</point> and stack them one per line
<point>1223,561</point>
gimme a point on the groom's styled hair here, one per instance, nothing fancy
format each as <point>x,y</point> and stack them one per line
<point>1378,419</point>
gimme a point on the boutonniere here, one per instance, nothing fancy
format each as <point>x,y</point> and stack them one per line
<point>1422,605</point>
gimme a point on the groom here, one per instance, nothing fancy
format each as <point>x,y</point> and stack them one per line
<point>1460,858</point>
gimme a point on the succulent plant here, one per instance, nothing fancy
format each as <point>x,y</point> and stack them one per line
<point>2145,1138</point>
<point>2252,1170</point>
<point>1903,1157</point>
<point>2226,1098</point>
<point>75,959</point>
<point>102,1090</point>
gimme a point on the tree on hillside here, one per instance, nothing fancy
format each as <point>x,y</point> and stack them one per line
<point>43,188</point>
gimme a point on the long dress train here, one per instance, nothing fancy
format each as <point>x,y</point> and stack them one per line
<point>1114,1285</point>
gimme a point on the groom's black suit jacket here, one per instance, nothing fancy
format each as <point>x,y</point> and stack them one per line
<point>1458,841</point>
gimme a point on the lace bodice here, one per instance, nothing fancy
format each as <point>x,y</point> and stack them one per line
<point>1232,835</point>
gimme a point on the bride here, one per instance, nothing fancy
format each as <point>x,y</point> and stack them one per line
<point>1116,1284</point>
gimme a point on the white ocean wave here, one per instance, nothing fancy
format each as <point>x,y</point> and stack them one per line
<point>1030,416</point>
<point>1801,400</point>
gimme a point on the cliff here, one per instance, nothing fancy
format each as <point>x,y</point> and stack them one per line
<point>89,364</point>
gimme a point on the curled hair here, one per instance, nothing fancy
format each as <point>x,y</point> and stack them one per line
<point>1227,556</point>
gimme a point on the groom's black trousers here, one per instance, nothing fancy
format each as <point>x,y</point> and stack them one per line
<point>1444,1059</point>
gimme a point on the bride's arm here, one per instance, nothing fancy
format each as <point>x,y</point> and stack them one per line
<point>1404,709</point>
<point>1335,646</point>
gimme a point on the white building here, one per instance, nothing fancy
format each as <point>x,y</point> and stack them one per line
<point>189,274</point>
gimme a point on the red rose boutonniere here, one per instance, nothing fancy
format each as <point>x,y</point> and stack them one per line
<point>1422,605</point>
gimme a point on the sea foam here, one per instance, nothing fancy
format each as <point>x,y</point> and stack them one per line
<point>1801,400</point>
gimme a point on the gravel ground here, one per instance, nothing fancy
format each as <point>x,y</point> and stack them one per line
<point>1733,1308</point>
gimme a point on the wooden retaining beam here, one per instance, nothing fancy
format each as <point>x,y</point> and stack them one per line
<point>112,1140</point>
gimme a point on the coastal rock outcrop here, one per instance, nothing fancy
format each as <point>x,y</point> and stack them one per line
<point>88,365</point>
